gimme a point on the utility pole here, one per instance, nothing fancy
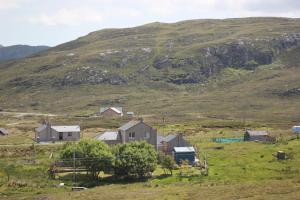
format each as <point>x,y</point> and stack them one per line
<point>74,165</point>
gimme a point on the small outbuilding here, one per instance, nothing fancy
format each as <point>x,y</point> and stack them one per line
<point>3,132</point>
<point>111,111</point>
<point>184,153</point>
<point>296,129</point>
<point>262,136</point>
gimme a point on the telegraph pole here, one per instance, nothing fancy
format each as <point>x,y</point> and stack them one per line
<point>74,165</point>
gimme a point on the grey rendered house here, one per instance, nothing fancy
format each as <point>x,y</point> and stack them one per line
<point>135,130</point>
<point>49,133</point>
<point>138,131</point>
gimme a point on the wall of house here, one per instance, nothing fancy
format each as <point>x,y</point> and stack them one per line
<point>74,136</point>
<point>44,135</point>
<point>141,131</point>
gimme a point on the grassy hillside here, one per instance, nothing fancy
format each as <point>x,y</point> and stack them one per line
<point>234,68</point>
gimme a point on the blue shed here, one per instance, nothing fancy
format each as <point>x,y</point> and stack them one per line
<point>296,129</point>
<point>184,153</point>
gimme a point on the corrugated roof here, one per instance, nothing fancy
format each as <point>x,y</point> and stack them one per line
<point>129,125</point>
<point>108,135</point>
<point>257,133</point>
<point>4,131</point>
<point>296,129</point>
<point>184,149</point>
<point>116,109</point>
<point>75,128</point>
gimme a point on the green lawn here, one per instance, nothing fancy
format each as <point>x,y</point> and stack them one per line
<point>237,170</point>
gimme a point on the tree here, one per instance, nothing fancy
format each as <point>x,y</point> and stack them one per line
<point>168,163</point>
<point>135,159</point>
<point>94,155</point>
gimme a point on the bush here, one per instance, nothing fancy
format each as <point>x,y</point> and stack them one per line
<point>94,155</point>
<point>135,159</point>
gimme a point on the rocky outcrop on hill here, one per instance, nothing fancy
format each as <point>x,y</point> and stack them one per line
<point>243,53</point>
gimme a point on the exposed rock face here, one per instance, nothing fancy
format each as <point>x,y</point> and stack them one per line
<point>88,75</point>
<point>244,53</point>
<point>289,93</point>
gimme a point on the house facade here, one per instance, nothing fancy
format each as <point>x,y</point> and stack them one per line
<point>111,111</point>
<point>49,133</point>
<point>138,131</point>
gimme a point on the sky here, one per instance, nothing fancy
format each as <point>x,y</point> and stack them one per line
<point>52,22</point>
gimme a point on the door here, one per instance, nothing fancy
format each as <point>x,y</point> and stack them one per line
<point>60,136</point>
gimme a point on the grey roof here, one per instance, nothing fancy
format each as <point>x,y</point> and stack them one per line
<point>120,109</point>
<point>168,138</point>
<point>108,135</point>
<point>184,149</point>
<point>75,128</point>
<point>4,131</point>
<point>129,125</point>
<point>257,133</point>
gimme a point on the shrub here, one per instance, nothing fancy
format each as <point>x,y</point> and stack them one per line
<point>135,159</point>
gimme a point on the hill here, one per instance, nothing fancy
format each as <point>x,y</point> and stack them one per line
<point>232,68</point>
<point>19,51</point>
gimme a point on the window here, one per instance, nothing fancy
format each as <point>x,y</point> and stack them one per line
<point>146,135</point>
<point>131,135</point>
<point>69,134</point>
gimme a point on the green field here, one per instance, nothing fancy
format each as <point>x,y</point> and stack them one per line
<point>236,170</point>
